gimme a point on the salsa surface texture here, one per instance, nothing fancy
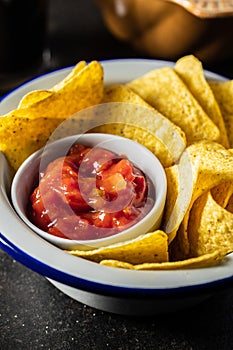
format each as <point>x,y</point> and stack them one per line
<point>91,193</point>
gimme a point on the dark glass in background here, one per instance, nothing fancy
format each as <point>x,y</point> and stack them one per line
<point>23,25</point>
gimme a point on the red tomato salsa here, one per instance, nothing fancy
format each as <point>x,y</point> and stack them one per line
<point>91,193</point>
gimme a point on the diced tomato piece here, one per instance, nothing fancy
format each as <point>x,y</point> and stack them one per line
<point>123,167</point>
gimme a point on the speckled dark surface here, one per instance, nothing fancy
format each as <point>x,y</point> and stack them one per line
<point>34,314</point>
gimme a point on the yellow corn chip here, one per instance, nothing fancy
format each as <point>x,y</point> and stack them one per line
<point>212,165</point>
<point>33,97</point>
<point>138,121</point>
<point>39,95</point>
<point>85,89</point>
<point>181,180</point>
<point>229,206</point>
<point>222,193</point>
<point>15,140</point>
<point>151,247</point>
<point>190,70</point>
<point>210,226</point>
<point>166,92</point>
<point>223,92</point>
<point>70,77</point>
<point>206,260</point>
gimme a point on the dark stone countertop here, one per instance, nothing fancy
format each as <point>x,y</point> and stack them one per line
<point>33,313</point>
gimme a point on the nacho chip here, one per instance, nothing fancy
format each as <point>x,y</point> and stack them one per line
<point>229,206</point>
<point>148,247</point>
<point>206,260</point>
<point>117,264</point>
<point>166,92</point>
<point>70,77</point>
<point>34,97</point>
<point>85,89</point>
<point>210,226</point>
<point>180,186</point>
<point>15,140</point>
<point>212,166</point>
<point>130,116</point>
<point>222,193</point>
<point>223,92</point>
<point>190,70</point>
<point>39,95</point>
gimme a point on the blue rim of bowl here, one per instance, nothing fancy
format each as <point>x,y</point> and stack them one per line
<point>106,289</point>
<point>2,98</point>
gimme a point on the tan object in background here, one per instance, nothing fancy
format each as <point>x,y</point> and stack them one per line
<point>207,8</point>
<point>170,29</point>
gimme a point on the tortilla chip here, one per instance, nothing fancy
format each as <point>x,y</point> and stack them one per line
<point>222,193</point>
<point>17,142</point>
<point>190,70</point>
<point>210,226</point>
<point>117,263</point>
<point>121,93</point>
<point>39,95</point>
<point>130,116</point>
<point>180,186</point>
<point>229,206</point>
<point>166,92</point>
<point>70,77</point>
<point>212,166</point>
<point>206,260</point>
<point>85,89</point>
<point>34,97</point>
<point>223,92</point>
<point>151,247</point>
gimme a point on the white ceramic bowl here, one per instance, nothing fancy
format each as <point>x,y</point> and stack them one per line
<point>110,289</point>
<point>140,156</point>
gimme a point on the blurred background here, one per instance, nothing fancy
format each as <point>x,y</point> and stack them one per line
<point>75,30</point>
